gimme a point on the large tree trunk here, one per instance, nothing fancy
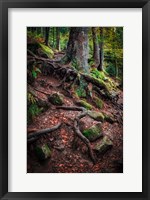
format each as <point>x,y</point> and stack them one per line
<point>95,47</point>
<point>46,35</point>
<point>101,45</point>
<point>57,39</point>
<point>77,48</point>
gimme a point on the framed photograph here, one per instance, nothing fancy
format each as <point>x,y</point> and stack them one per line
<point>74,99</point>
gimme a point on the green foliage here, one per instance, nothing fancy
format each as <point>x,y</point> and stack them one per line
<point>35,71</point>
<point>111,70</point>
<point>32,108</point>
<point>36,37</point>
<point>31,99</point>
<point>80,91</point>
<point>98,74</point>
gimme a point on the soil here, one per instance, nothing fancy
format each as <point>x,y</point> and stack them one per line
<point>69,153</point>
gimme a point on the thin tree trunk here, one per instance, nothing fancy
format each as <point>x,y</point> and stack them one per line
<point>46,35</point>
<point>53,37</point>
<point>57,38</point>
<point>95,47</point>
<point>101,45</point>
<point>38,30</point>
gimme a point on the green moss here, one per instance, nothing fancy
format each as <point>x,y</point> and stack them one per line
<point>48,51</point>
<point>98,74</point>
<point>43,152</point>
<point>109,118</point>
<point>98,116</point>
<point>98,102</point>
<point>80,91</point>
<point>56,99</point>
<point>93,132</point>
<point>84,104</point>
<point>104,145</point>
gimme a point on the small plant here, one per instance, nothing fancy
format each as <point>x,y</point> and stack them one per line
<point>97,74</point>
<point>35,71</point>
<point>33,108</point>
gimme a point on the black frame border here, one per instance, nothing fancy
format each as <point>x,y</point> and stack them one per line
<point>4,6</point>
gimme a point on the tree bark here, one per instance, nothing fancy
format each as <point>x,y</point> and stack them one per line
<point>101,45</point>
<point>46,35</point>
<point>95,47</point>
<point>77,48</point>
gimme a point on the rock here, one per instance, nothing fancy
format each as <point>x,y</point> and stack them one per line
<point>46,50</point>
<point>98,102</point>
<point>84,104</point>
<point>104,145</point>
<point>109,118</point>
<point>94,132</point>
<point>43,151</point>
<point>56,99</point>
<point>98,116</point>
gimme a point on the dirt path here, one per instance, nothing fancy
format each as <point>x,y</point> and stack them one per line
<point>67,157</point>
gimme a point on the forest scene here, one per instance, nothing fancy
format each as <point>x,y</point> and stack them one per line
<point>74,99</point>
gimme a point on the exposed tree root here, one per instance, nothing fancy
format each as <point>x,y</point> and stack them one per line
<point>75,108</point>
<point>77,128</point>
<point>71,74</point>
<point>35,135</point>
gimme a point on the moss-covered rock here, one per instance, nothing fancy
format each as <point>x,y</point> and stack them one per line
<point>84,104</point>
<point>104,145</point>
<point>56,99</point>
<point>43,151</point>
<point>94,132</point>
<point>46,50</point>
<point>98,116</point>
<point>98,102</point>
<point>109,118</point>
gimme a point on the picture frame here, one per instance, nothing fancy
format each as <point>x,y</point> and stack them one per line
<point>4,6</point>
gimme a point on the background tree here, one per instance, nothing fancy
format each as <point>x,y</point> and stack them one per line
<point>96,56</point>
<point>101,51</point>
<point>58,38</point>
<point>47,35</point>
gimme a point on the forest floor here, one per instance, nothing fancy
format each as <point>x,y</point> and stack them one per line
<point>65,158</point>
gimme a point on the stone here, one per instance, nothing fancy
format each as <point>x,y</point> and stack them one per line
<point>94,132</point>
<point>43,151</point>
<point>98,102</point>
<point>109,118</point>
<point>56,99</point>
<point>98,116</point>
<point>104,145</point>
<point>84,104</point>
